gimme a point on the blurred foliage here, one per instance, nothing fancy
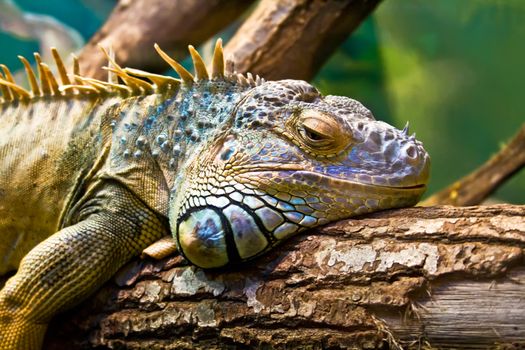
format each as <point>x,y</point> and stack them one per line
<point>86,16</point>
<point>454,69</point>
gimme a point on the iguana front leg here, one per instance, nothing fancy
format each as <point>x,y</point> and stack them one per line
<point>71,264</point>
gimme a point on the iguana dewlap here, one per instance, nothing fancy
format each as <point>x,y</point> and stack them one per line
<point>93,172</point>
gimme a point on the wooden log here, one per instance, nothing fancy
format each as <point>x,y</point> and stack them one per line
<point>441,276</point>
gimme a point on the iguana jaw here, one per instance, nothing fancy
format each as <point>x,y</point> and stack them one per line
<point>415,187</point>
<point>336,183</point>
<point>337,198</point>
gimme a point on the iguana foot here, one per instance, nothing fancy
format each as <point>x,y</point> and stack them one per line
<point>162,248</point>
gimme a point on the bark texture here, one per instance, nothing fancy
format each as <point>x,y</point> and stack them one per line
<point>441,276</point>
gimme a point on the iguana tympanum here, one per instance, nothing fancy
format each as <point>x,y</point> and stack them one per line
<point>93,172</point>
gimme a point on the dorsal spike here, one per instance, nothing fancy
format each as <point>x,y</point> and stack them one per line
<point>53,84</point>
<point>44,82</point>
<point>7,73</point>
<point>76,70</point>
<point>136,85</point>
<point>123,90</point>
<point>101,89</point>
<point>251,81</point>
<point>162,82</point>
<point>217,65</point>
<point>30,76</point>
<point>62,71</point>
<point>200,67</point>
<point>17,91</point>
<point>111,59</point>
<point>6,92</point>
<point>60,66</point>
<point>242,80</point>
<point>87,89</point>
<point>112,77</point>
<point>129,83</point>
<point>405,129</point>
<point>186,76</point>
<point>9,78</point>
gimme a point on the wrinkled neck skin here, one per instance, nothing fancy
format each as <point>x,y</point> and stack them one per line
<point>188,125</point>
<point>167,134</point>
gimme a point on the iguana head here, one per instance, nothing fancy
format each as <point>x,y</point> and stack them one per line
<point>289,159</point>
<point>292,160</point>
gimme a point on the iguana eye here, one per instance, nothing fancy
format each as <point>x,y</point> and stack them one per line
<point>314,133</point>
<point>320,133</point>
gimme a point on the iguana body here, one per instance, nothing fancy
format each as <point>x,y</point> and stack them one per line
<point>91,173</point>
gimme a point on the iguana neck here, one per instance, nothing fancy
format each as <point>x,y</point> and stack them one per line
<point>171,129</point>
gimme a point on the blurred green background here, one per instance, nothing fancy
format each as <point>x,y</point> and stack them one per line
<point>454,69</point>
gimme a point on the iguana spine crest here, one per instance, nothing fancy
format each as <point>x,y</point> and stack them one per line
<point>134,82</point>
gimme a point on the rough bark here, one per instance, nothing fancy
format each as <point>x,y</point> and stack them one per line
<point>444,276</point>
<point>292,39</point>
<point>475,187</point>
<point>134,26</point>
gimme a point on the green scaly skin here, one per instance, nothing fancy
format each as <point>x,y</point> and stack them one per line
<point>229,165</point>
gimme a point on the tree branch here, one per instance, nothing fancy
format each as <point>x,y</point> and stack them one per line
<point>478,185</point>
<point>438,275</point>
<point>288,39</point>
<point>134,26</point>
<point>292,39</point>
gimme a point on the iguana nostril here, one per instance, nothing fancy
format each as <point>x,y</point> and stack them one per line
<point>411,151</point>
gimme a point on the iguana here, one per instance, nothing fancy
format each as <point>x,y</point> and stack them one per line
<point>93,172</point>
